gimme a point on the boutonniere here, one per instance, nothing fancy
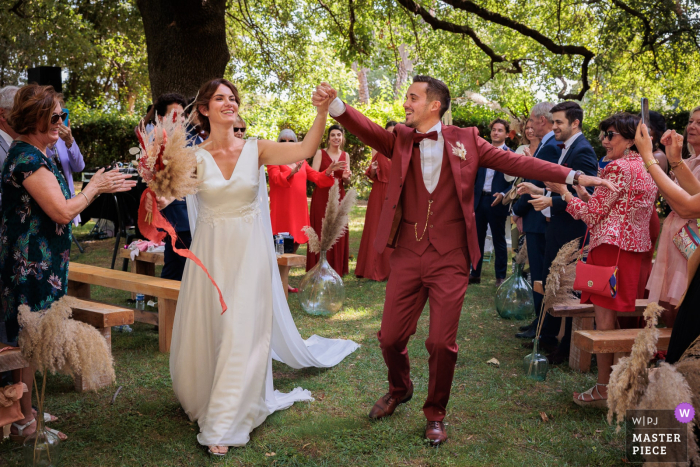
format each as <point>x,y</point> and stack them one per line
<point>459,150</point>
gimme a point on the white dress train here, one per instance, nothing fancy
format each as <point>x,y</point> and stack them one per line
<point>221,365</point>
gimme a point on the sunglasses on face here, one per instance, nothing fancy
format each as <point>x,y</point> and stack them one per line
<point>55,117</point>
<point>286,141</point>
<point>609,134</point>
<point>236,129</point>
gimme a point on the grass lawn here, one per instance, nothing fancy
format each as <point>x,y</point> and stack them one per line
<point>494,417</point>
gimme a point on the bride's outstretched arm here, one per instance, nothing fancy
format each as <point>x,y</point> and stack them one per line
<point>274,153</point>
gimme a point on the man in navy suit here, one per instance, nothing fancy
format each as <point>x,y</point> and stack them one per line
<point>535,223</point>
<point>489,189</point>
<point>576,154</point>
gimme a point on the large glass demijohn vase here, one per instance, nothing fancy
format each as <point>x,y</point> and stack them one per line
<point>536,364</point>
<point>41,448</point>
<point>514,298</point>
<point>321,291</point>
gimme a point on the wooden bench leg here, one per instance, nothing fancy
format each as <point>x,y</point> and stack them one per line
<point>78,289</point>
<point>107,334</point>
<point>166,320</point>
<point>284,274</point>
<point>580,360</point>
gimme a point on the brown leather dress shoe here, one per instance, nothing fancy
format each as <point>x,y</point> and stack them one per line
<point>435,432</point>
<point>386,405</point>
<point>500,281</point>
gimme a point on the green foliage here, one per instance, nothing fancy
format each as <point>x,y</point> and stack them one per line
<point>103,136</point>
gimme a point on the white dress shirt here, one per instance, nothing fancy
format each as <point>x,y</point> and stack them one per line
<point>430,151</point>
<point>488,182</point>
<point>547,212</point>
<point>6,137</point>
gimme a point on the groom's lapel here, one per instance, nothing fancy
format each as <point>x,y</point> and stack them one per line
<point>450,137</point>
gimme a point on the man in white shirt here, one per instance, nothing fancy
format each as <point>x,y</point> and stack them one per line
<point>489,189</point>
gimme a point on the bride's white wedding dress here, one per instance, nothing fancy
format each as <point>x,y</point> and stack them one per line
<point>221,365</point>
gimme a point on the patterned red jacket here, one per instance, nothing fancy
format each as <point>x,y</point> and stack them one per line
<point>620,219</point>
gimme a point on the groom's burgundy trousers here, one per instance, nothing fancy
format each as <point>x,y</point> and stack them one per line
<point>430,262</point>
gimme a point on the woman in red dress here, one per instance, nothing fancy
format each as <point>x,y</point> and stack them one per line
<point>338,255</point>
<point>370,264</point>
<point>289,211</point>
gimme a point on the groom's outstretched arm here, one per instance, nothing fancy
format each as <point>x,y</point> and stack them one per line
<point>366,130</point>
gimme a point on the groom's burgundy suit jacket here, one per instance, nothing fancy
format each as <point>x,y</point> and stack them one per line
<point>398,146</point>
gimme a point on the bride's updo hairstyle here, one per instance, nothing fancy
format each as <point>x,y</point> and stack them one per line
<point>205,94</point>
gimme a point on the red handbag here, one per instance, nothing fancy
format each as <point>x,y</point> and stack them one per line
<point>599,280</point>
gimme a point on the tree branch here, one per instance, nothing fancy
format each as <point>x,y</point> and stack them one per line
<point>496,18</point>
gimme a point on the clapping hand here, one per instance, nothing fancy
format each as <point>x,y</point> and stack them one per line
<point>337,165</point>
<point>559,188</point>
<point>540,202</point>
<point>527,188</point>
<point>674,145</point>
<point>297,167</point>
<point>498,197</point>
<point>347,174</point>
<point>112,181</point>
<point>526,152</point>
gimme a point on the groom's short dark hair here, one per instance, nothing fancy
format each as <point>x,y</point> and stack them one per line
<point>437,91</point>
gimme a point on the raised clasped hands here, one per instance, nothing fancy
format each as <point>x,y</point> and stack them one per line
<point>337,165</point>
<point>322,97</point>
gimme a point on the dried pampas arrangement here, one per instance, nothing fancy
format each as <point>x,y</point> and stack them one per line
<point>559,289</point>
<point>166,162</point>
<point>52,341</point>
<point>633,386</point>
<point>521,257</point>
<point>630,377</point>
<point>335,222</point>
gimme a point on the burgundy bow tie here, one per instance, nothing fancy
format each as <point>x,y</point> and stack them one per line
<point>418,137</point>
<point>561,145</point>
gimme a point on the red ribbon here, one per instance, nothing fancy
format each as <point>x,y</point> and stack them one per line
<point>151,232</point>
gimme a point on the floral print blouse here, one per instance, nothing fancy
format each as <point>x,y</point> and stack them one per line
<point>34,250</point>
<point>622,218</point>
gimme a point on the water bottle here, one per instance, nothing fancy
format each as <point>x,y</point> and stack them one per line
<point>140,301</point>
<point>279,245</point>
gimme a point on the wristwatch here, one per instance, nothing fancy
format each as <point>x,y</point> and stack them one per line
<point>576,177</point>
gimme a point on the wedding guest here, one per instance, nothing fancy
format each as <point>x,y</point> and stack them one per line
<point>619,234</point>
<point>70,159</point>
<point>289,211</point>
<point>576,154</point>
<point>37,211</point>
<point>687,323</point>
<point>239,128</point>
<point>174,210</point>
<point>669,274</point>
<point>489,189</point>
<point>338,255</point>
<point>7,134</point>
<point>535,223</point>
<point>371,264</point>
<point>530,139</point>
<point>691,136</point>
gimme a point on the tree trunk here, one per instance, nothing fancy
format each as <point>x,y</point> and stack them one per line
<point>405,66</point>
<point>186,43</point>
<point>362,86</point>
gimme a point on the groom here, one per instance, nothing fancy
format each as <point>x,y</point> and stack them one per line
<point>428,216</point>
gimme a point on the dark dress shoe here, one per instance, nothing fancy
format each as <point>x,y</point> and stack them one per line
<point>386,405</point>
<point>474,280</point>
<point>435,433</point>
<point>529,334</point>
<point>500,281</point>
<point>527,326</point>
<point>557,357</point>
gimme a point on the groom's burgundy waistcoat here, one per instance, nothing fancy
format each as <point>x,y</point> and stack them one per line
<point>445,226</point>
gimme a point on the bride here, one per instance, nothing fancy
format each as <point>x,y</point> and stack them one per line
<point>221,364</point>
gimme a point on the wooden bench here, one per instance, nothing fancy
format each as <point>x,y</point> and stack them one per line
<point>10,360</point>
<point>145,263</point>
<point>82,276</point>
<point>286,262</point>
<point>615,340</point>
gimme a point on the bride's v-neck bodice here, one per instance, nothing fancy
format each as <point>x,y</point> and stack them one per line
<point>236,197</point>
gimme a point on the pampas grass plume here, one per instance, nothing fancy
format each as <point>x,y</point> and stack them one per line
<point>54,342</point>
<point>521,257</point>
<point>335,222</point>
<point>559,289</point>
